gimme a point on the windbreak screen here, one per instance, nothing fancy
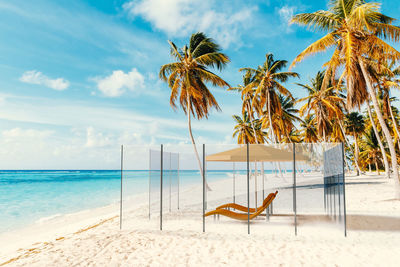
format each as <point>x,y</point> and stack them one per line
<point>141,165</point>
<point>319,192</point>
<point>182,187</point>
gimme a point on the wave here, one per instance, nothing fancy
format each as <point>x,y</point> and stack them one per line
<point>48,218</point>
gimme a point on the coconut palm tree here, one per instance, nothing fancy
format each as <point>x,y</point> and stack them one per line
<point>188,75</point>
<point>309,130</point>
<point>355,126</point>
<point>284,120</point>
<point>324,103</point>
<point>267,80</point>
<point>354,29</point>
<point>247,131</point>
<point>247,96</point>
<point>370,152</point>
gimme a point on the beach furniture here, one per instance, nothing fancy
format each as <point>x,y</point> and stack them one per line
<point>242,216</point>
<point>243,208</point>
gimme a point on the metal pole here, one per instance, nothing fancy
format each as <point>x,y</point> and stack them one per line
<point>149,182</point>
<point>178,181</point>
<point>204,188</point>
<point>120,206</point>
<point>294,189</point>
<point>161,186</point>
<point>344,194</point>
<point>170,177</point>
<point>248,190</point>
<point>262,166</point>
<point>234,189</point>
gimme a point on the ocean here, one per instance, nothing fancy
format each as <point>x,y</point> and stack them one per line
<point>27,197</point>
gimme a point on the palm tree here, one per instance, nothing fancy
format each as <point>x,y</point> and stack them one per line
<point>370,152</point>
<point>187,78</point>
<point>247,99</point>
<point>354,29</point>
<point>323,102</point>
<point>309,130</point>
<point>267,80</point>
<point>355,125</point>
<point>285,119</point>
<point>247,131</point>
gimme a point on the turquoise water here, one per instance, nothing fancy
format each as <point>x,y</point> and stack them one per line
<point>28,196</point>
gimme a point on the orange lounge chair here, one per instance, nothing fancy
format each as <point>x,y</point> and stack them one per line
<point>243,208</point>
<point>244,216</point>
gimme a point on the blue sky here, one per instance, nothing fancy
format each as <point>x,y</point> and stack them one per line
<point>79,78</point>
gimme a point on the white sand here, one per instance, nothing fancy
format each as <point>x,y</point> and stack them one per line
<point>373,234</point>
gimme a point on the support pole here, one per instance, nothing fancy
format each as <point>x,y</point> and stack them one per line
<point>234,189</point>
<point>149,183</point>
<point>344,194</point>
<point>248,190</point>
<point>170,178</point>
<point>204,188</point>
<point>161,186</point>
<point>120,205</point>
<point>178,181</point>
<point>263,178</point>
<point>294,189</point>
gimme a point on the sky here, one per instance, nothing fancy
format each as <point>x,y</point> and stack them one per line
<point>80,78</point>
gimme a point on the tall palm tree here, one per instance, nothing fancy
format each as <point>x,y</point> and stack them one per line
<point>267,80</point>
<point>188,75</point>
<point>309,130</point>
<point>355,125</point>
<point>325,104</point>
<point>354,29</point>
<point>247,131</point>
<point>284,120</point>
<point>370,151</point>
<point>247,96</point>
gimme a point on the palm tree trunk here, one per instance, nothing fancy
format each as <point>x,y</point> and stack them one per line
<point>193,142</point>
<point>356,151</point>
<point>382,148</point>
<point>384,127</point>
<point>272,128</point>
<point>376,166</point>
<point>395,124</point>
<point>369,167</point>
<point>252,124</point>
<point>348,144</point>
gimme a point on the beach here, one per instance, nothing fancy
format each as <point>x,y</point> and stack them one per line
<point>93,237</point>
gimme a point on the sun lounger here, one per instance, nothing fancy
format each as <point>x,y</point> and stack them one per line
<point>244,216</point>
<point>243,208</point>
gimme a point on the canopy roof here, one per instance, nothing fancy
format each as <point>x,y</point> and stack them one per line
<point>260,153</point>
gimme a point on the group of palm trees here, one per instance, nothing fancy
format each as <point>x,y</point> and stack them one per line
<point>348,101</point>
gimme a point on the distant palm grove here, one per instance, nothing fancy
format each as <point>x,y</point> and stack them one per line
<point>349,100</point>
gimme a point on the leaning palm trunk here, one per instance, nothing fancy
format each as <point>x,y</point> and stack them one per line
<point>356,152</point>
<point>395,125</point>
<point>382,148</point>
<point>348,144</point>
<point>272,132</point>
<point>384,127</point>
<point>194,144</point>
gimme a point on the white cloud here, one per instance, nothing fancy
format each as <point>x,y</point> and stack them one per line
<point>182,17</point>
<point>36,77</point>
<point>286,13</point>
<point>96,139</point>
<point>118,82</point>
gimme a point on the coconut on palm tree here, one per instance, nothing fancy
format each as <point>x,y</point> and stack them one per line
<point>355,29</point>
<point>189,75</point>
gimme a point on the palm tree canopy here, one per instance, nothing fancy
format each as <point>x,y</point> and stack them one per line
<point>187,77</point>
<point>355,29</point>
<point>355,123</point>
